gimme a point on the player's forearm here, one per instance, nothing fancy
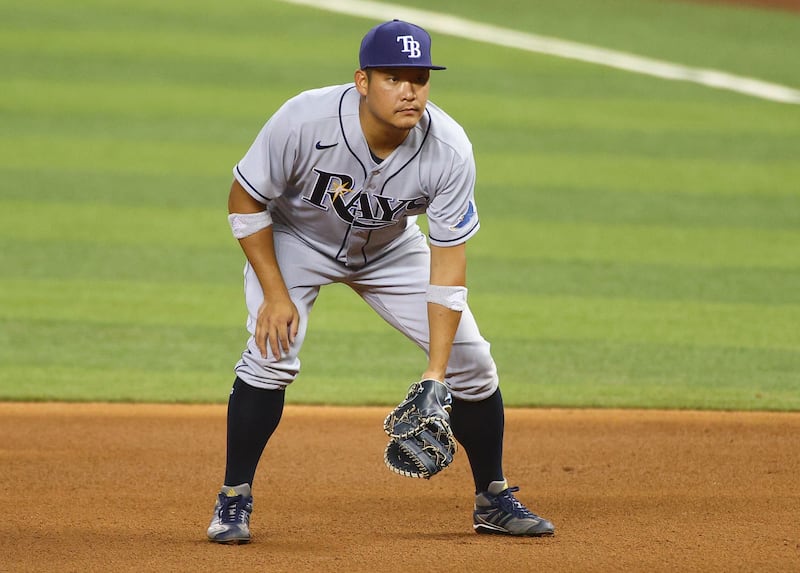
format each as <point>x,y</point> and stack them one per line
<point>448,269</point>
<point>259,247</point>
<point>443,325</point>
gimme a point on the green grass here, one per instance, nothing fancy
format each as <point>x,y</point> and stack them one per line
<point>640,241</point>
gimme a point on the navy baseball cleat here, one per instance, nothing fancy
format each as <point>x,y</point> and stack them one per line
<point>498,511</point>
<point>231,520</point>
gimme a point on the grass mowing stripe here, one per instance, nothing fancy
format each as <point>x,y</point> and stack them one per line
<point>168,128</point>
<point>487,274</point>
<point>580,373</point>
<point>493,275</point>
<point>195,366</point>
<point>117,156</point>
<point>606,373</point>
<point>709,247</point>
<point>536,203</point>
<point>630,172</point>
<point>247,17</point>
<point>139,45</point>
<point>134,98</point>
<point>147,303</point>
<point>624,172</point>
<point>128,302</point>
<point>571,359</point>
<point>533,317</point>
<point>166,191</point>
<point>718,247</point>
<point>78,383</point>
<point>75,383</point>
<point>113,262</point>
<point>65,383</point>
<point>218,56</point>
<point>698,324</point>
<point>589,204</point>
<point>723,147</point>
<point>121,346</point>
<point>757,148</point>
<point>526,108</point>
<point>89,222</point>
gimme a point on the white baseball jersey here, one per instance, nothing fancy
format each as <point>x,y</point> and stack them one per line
<point>311,165</point>
<point>339,215</point>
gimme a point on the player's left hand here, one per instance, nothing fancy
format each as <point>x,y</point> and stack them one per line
<point>421,442</point>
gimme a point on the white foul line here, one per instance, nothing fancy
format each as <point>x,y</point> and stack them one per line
<point>460,27</point>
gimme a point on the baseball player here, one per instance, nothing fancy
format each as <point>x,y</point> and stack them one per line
<point>329,192</point>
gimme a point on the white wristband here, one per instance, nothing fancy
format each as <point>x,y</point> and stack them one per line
<point>245,224</point>
<point>452,297</point>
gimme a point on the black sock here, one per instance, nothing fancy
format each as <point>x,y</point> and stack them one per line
<point>478,426</point>
<point>253,415</point>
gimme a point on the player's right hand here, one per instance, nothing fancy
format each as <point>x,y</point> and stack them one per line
<point>276,327</point>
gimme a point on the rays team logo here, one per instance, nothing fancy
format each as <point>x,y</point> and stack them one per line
<point>464,219</point>
<point>357,208</point>
<point>410,46</point>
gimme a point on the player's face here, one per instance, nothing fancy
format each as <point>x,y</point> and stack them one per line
<point>395,97</point>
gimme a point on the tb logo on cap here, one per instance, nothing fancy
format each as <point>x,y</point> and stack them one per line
<point>410,46</point>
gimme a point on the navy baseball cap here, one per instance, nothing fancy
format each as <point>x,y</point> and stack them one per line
<point>396,44</point>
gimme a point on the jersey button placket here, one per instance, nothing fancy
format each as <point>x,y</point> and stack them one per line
<point>355,239</point>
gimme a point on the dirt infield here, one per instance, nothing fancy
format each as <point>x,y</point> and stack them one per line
<point>93,487</point>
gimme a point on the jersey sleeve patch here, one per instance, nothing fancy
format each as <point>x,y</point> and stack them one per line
<point>464,220</point>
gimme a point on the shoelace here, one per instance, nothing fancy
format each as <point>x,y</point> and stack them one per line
<point>511,504</point>
<point>231,510</point>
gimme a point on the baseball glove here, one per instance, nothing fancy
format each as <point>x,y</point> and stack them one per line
<point>421,442</point>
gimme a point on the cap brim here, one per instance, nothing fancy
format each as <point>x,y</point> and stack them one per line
<point>412,66</point>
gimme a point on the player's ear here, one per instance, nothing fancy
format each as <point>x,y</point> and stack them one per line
<point>362,81</point>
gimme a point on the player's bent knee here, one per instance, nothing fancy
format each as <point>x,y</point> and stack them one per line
<point>267,373</point>
<point>475,392</point>
<point>475,378</point>
<point>262,382</point>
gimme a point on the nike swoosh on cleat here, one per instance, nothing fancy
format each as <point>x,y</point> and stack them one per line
<point>320,146</point>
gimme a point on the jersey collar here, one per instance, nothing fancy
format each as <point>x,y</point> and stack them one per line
<point>357,144</point>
